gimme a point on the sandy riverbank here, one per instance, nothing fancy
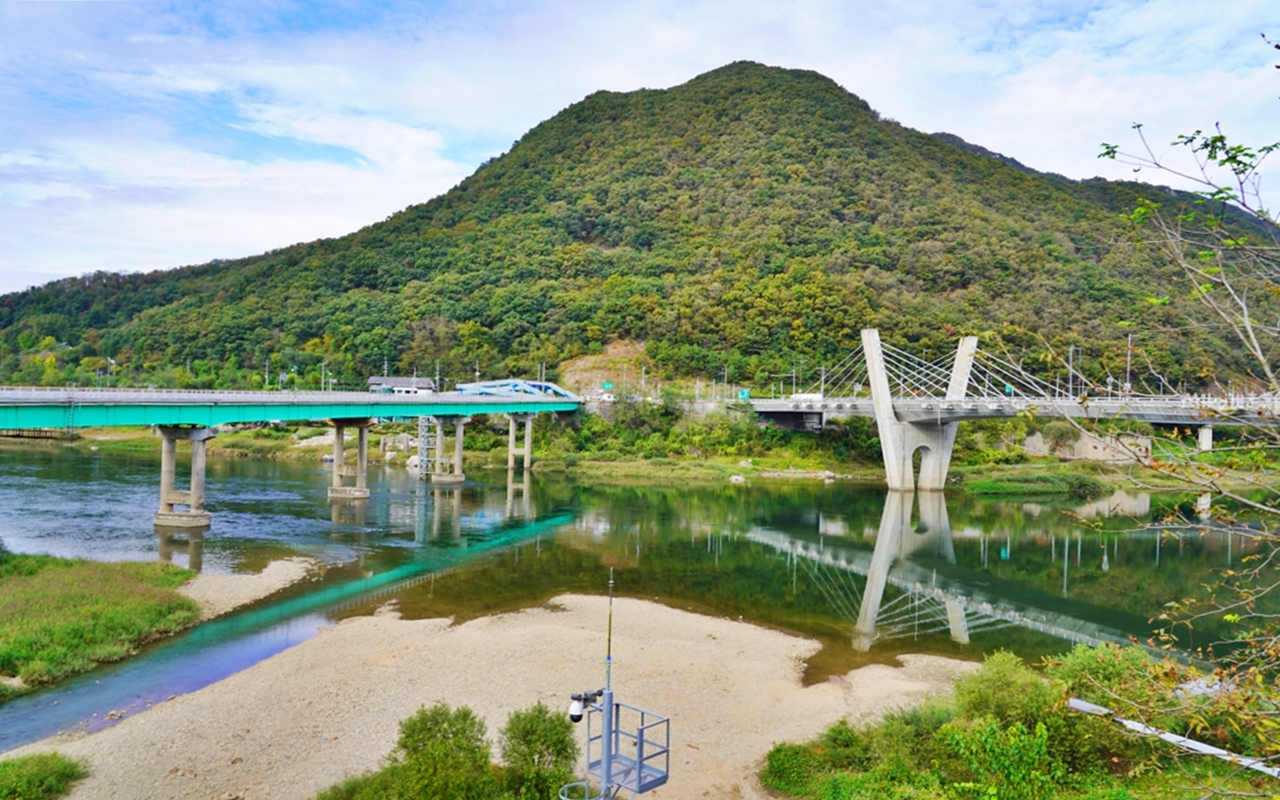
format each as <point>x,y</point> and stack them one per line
<point>328,708</point>
<point>218,594</point>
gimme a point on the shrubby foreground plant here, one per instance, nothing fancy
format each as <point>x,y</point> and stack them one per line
<point>442,754</point>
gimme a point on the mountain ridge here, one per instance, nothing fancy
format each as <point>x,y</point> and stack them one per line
<point>747,218</point>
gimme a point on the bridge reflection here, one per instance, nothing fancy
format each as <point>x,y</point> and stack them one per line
<point>910,585</point>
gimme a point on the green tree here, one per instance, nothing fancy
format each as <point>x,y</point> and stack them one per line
<point>442,754</point>
<point>539,749</point>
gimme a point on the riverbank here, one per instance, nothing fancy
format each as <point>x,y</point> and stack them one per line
<point>60,617</point>
<point>328,708</point>
<point>221,594</point>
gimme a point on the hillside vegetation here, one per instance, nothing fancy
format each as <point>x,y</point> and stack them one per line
<point>752,218</point>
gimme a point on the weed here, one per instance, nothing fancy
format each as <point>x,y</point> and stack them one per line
<point>39,776</point>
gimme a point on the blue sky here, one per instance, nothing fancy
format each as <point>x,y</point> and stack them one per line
<point>147,135</point>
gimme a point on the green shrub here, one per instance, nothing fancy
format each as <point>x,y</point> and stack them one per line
<point>1007,762</point>
<point>38,776</point>
<point>572,459</point>
<point>1005,689</point>
<point>1096,674</point>
<point>539,750</point>
<point>790,768</point>
<point>846,748</point>
<point>1060,433</point>
<point>442,753</point>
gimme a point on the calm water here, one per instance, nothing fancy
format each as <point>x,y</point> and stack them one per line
<point>867,573</point>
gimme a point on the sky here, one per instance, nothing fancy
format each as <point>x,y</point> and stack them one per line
<point>150,135</point>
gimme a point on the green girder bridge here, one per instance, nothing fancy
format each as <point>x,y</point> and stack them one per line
<point>194,415</point>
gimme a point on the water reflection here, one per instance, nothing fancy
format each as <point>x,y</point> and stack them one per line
<point>910,585</point>
<point>867,572</point>
<point>170,541</point>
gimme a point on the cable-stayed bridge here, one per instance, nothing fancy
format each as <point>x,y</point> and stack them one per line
<point>917,403</point>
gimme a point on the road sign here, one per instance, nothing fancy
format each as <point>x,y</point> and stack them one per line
<point>744,394</point>
<point>606,386</point>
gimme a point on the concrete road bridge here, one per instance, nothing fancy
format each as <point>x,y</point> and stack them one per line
<point>918,404</point>
<point>193,415</point>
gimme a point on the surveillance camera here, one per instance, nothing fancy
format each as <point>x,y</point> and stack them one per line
<point>575,710</point>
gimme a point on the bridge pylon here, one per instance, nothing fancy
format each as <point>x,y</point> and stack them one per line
<point>899,440</point>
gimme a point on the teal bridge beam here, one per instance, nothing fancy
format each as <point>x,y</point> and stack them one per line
<point>194,415</point>
<point>91,408</point>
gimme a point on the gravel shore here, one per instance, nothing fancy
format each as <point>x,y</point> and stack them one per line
<point>328,708</point>
<point>218,594</point>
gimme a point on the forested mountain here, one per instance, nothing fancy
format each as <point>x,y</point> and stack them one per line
<point>752,218</point>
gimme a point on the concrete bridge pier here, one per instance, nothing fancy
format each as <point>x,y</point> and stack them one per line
<point>339,490</point>
<point>193,498</point>
<point>525,451</point>
<point>446,470</point>
<point>899,441</point>
<point>1204,438</point>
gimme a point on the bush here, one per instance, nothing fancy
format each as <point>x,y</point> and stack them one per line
<point>1010,761</point>
<point>38,776</point>
<point>1060,433</point>
<point>442,753</point>
<point>846,748</point>
<point>1005,689</point>
<point>539,750</point>
<point>789,768</point>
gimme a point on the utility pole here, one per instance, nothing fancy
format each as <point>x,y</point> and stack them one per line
<point>477,372</point>
<point>1071,371</point>
<point>1128,366</point>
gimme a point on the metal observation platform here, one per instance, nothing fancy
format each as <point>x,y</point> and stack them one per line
<point>193,415</point>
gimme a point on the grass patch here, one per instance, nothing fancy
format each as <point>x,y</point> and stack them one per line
<point>59,617</point>
<point>38,776</point>
<point>1068,483</point>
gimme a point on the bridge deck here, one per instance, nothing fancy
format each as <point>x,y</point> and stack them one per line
<point>1159,410</point>
<point>81,408</point>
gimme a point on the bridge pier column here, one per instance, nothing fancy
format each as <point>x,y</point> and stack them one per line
<point>339,490</point>
<point>526,450</point>
<point>193,498</point>
<point>444,471</point>
<point>900,440</point>
<point>1204,438</point>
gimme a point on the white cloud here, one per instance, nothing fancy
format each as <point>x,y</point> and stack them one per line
<point>131,139</point>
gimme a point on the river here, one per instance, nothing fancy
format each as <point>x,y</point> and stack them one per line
<point>867,573</point>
